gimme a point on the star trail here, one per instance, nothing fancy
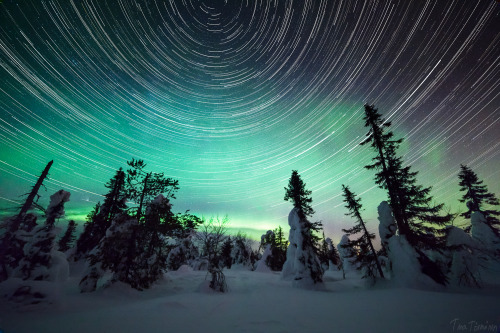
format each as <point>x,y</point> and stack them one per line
<point>229,96</point>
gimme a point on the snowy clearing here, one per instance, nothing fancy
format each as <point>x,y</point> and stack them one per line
<point>259,302</point>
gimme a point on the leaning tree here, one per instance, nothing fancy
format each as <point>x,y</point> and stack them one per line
<point>365,257</point>
<point>417,218</point>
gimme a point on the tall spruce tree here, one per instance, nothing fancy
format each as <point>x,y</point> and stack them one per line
<point>416,217</point>
<point>302,261</point>
<point>366,257</point>
<point>300,197</point>
<point>114,201</point>
<point>99,220</point>
<point>64,243</point>
<point>477,197</point>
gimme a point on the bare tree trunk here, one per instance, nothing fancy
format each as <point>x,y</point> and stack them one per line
<point>29,201</point>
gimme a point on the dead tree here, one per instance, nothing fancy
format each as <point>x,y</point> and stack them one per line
<point>11,248</point>
<point>31,197</point>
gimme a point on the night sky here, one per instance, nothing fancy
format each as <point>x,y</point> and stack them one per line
<point>230,96</point>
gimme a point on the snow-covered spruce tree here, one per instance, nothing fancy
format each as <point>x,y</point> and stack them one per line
<point>227,249</point>
<point>11,242</point>
<point>254,258</point>
<point>267,241</point>
<point>416,218</point>
<point>482,232</point>
<point>181,231</point>
<point>183,253</point>
<point>99,220</point>
<point>467,259</point>
<point>470,253</point>
<point>274,246</point>
<point>67,239</point>
<point>476,197</point>
<point>113,254</point>
<point>404,262</point>
<point>333,255</point>
<point>211,235</point>
<point>150,258</point>
<point>144,189</point>
<point>322,252</point>
<point>159,227</point>
<point>366,257</point>
<point>40,272</point>
<point>242,250</point>
<point>302,263</point>
<point>328,254</point>
<point>38,252</point>
<point>345,253</point>
<point>387,227</point>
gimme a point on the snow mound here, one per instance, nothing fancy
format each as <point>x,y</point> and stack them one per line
<point>387,226</point>
<point>184,269</point>
<point>30,295</point>
<point>465,269</point>
<point>59,271</point>
<point>483,233</point>
<point>406,269</point>
<point>345,254</point>
<point>288,270</point>
<point>456,237</point>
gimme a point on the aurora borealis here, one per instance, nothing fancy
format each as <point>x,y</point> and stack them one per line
<point>229,96</point>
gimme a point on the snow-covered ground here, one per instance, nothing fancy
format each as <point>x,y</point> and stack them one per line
<point>259,302</point>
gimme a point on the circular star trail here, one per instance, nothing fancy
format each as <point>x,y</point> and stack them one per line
<point>229,96</point>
